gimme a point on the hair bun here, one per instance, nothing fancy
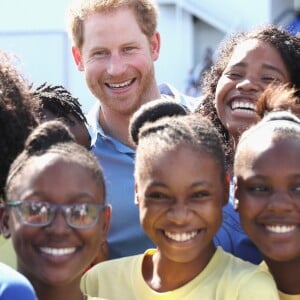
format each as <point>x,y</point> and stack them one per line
<point>152,111</point>
<point>47,134</point>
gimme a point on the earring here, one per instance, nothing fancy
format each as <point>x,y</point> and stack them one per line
<point>236,204</point>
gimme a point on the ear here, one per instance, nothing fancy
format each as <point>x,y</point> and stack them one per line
<point>236,192</point>
<point>106,221</point>
<point>155,45</point>
<point>4,223</point>
<point>78,58</point>
<point>226,189</point>
<point>136,195</point>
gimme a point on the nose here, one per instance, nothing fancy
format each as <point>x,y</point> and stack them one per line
<point>280,202</point>
<point>248,84</point>
<point>116,65</point>
<point>179,213</point>
<point>59,224</point>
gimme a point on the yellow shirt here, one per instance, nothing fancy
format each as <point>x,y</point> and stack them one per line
<point>224,278</point>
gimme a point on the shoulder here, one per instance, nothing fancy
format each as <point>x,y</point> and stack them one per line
<point>249,280</point>
<point>13,285</point>
<point>187,101</point>
<point>115,272</point>
<point>109,271</point>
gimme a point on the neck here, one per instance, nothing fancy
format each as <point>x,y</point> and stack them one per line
<point>116,124</point>
<point>58,293</point>
<point>286,275</point>
<point>159,271</point>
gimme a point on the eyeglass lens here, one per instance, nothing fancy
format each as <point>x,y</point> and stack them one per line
<point>80,215</point>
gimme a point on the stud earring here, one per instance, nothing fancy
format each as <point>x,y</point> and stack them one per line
<point>236,204</point>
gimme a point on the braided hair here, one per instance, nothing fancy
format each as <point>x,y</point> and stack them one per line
<point>60,102</point>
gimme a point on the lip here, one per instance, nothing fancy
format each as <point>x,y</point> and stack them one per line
<point>241,102</point>
<point>281,228</point>
<point>57,254</point>
<point>182,237</point>
<point>120,86</point>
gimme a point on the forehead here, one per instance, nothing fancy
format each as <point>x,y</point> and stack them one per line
<point>179,159</point>
<point>267,151</point>
<point>100,25</point>
<point>254,48</point>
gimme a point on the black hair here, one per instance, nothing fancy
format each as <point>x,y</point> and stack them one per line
<point>165,132</point>
<point>285,43</point>
<point>18,113</point>
<point>60,102</point>
<point>52,137</point>
<point>283,124</point>
<point>151,112</point>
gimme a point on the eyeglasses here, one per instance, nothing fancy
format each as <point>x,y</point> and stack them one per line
<point>38,213</point>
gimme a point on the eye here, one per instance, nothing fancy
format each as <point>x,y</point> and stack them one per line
<point>100,53</point>
<point>200,195</point>
<point>79,209</point>
<point>270,79</point>
<point>35,208</point>
<point>234,75</point>
<point>259,189</point>
<point>157,198</point>
<point>296,188</point>
<point>128,49</point>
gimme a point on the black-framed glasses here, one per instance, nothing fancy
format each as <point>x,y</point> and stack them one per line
<point>40,213</point>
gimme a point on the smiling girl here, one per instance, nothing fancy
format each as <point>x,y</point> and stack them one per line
<point>181,187</point>
<point>55,212</point>
<point>267,169</point>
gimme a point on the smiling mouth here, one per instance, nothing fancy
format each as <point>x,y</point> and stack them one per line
<point>121,85</point>
<point>243,106</point>
<point>58,251</point>
<point>181,237</point>
<point>281,228</point>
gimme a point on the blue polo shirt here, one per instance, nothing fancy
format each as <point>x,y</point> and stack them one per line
<point>126,236</point>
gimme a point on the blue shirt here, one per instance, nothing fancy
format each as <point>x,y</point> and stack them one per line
<point>126,236</point>
<point>14,286</point>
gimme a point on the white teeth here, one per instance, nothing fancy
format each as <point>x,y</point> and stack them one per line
<point>181,237</point>
<point>281,228</point>
<point>120,85</point>
<point>58,251</point>
<point>243,105</point>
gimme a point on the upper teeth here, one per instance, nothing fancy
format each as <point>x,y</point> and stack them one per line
<point>58,251</point>
<point>181,237</point>
<point>243,105</point>
<point>281,228</point>
<point>120,85</point>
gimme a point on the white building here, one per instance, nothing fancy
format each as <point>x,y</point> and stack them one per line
<point>35,31</point>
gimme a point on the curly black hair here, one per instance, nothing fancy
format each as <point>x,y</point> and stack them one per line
<point>17,113</point>
<point>288,47</point>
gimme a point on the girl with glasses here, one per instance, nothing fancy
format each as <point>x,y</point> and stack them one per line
<point>55,211</point>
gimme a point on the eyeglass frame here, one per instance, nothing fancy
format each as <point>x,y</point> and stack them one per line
<point>56,207</point>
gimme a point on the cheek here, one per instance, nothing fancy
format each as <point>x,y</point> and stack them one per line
<point>248,210</point>
<point>223,87</point>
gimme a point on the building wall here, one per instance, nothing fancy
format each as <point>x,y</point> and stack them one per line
<point>35,31</point>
